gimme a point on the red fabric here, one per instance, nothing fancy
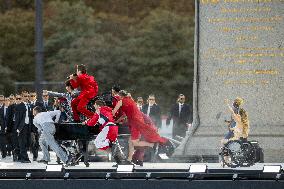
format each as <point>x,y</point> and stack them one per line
<point>79,105</point>
<point>112,135</point>
<point>137,123</point>
<point>92,122</point>
<point>113,130</point>
<point>88,85</point>
<point>89,89</point>
<point>119,113</point>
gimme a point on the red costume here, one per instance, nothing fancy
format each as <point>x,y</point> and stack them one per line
<point>119,113</point>
<point>89,89</point>
<point>139,124</point>
<point>108,130</point>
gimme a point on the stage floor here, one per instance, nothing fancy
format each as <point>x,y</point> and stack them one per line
<point>7,163</point>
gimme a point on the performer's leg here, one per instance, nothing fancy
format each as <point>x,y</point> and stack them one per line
<point>131,150</point>
<point>74,105</point>
<point>44,148</point>
<point>140,143</point>
<point>101,141</point>
<point>48,132</point>
<point>82,107</point>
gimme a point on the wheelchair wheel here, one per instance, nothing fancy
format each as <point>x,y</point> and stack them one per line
<point>232,154</point>
<point>249,152</point>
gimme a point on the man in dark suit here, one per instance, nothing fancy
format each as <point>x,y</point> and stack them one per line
<point>181,114</point>
<point>152,110</point>
<point>33,102</point>
<point>11,130</point>
<point>23,121</point>
<point>5,113</point>
<point>47,104</point>
<point>140,103</point>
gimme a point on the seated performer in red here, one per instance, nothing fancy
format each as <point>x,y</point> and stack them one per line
<point>108,130</point>
<point>89,89</point>
<point>137,125</point>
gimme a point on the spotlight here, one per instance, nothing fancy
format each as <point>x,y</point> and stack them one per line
<point>125,168</point>
<point>191,176</point>
<point>235,176</point>
<point>197,168</point>
<point>148,176</point>
<point>54,168</point>
<point>66,176</point>
<point>278,177</point>
<point>271,168</point>
<point>28,176</point>
<point>108,176</point>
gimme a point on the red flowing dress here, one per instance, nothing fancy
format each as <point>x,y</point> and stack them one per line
<point>137,124</point>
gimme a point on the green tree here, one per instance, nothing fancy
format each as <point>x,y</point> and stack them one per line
<point>65,22</point>
<point>161,56</point>
<point>17,44</point>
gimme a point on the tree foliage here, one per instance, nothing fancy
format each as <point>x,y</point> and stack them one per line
<point>145,46</point>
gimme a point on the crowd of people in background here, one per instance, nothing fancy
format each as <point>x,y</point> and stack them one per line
<point>21,117</point>
<point>19,135</point>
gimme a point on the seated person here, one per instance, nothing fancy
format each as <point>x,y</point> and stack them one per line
<point>238,125</point>
<point>45,124</point>
<point>108,129</point>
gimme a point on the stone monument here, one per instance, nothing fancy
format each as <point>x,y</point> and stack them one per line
<point>239,52</point>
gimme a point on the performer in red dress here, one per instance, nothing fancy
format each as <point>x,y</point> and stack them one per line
<point>119,115</point>
<point>137,125</point>
<point>108,130</point>
<point>89,89</point>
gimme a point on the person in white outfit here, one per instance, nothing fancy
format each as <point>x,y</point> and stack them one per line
<point>45,125</point>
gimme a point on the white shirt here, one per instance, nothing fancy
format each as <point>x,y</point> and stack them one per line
<point>5,110</point>
<point>149,108</point>
<point>46,117</point>
<point>27,119</point>
<point>179,108</point>
<point>45,103</point>
<point>139,107</point>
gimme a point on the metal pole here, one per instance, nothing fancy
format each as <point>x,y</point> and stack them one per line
<point>38,48</point>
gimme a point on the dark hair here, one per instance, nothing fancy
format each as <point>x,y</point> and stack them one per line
<point>38,109</point>
<point>123,93</point>
<point>68,84</point>
<point>116,88</point>
<point>100,102</point>
<point>82,68</point>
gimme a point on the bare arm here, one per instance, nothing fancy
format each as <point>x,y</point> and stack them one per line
<point>56,94</point>
<point>116,108</point>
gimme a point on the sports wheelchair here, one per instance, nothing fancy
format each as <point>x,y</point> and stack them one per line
<point>241,153</point>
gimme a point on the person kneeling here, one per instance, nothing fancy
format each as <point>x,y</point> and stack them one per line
<point>108,129</point>
<point>45,124</point>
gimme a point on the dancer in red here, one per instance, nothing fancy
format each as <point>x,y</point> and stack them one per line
<point>89,89</point>
<point>137,125</point>
<point>119,115</point>
<point>108,130</point>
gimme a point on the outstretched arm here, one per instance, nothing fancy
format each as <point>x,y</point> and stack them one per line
<point>229,107</point>
<point>116,108</point>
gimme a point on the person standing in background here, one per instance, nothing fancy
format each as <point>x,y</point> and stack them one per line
<point>181,114</point>
<point>23,121</point>
<point>153,110</point>
<point>5,112</point>
<point>140,103</point>
<point>47,104</point>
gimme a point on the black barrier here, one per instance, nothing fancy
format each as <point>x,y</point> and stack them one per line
<point>138,184</point>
